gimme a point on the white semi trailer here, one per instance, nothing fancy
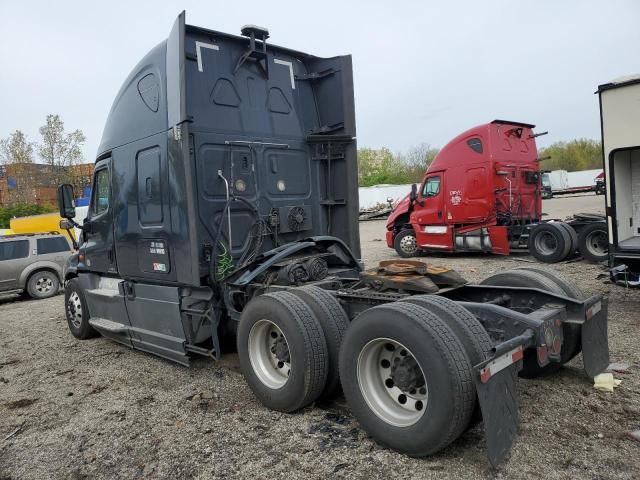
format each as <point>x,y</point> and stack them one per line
<point>620,120</point>
<point>562,181</point>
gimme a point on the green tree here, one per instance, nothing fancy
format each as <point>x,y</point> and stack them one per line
<point>16,152</point>
<point>60,149</point>
<point>416,161</point>
<point>574,155</point>
<point>380,166</point>
<point>16,149</point>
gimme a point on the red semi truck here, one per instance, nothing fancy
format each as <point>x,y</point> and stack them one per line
<point>483,192</point>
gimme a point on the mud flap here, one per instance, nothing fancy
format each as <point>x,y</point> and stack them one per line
<point>595,338</point>
<point>496,383</point>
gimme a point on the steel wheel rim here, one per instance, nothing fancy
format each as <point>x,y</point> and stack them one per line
<point>266,346</point>
<point>546,243</point>
<point>597,243</point>
<point>408,244</point>
<point>74,309</point>
<point>44,284</point>
<point>400,406</point>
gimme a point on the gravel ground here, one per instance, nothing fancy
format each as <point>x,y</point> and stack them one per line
<point>95,409</point>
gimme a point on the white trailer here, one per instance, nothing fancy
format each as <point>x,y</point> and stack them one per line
<point>573,182</point>
<point>620,120</point>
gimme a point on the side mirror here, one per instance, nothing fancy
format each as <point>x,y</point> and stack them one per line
<point>413,196</point>
<point>65,224</point>
<point>65,201</point>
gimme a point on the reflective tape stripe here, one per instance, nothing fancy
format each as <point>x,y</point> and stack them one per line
<point>594,309</point>
<point>500,363</point>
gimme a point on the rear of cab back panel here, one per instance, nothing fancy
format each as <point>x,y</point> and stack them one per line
<point>281,130</point>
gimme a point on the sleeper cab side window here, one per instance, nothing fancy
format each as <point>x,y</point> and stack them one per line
<point>475,144</point>
<point>14,250</point>
<point>431,187</point>
<point>101,192</point>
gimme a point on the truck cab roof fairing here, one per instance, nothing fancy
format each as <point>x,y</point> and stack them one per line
<point>140,107</point>
<point>160,75</point>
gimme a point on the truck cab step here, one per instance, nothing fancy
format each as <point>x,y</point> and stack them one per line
<point>104,292</point>
<point>107,325</point>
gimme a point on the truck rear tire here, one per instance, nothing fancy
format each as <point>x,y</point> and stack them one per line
<point>549,243</point>
<point>593,242</point>
<point>573,236</point>
<point>77,312</point>
<point>465,325</point>
<point>405,243</point>
<point>282,351</point>
<point>475,339</point>
<point>530,277</point>
<point>569,289</point>
<point>383,360</point>
<point>334,322</point>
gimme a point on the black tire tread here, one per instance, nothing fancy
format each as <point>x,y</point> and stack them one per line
<point>559,255</point>
<point>471,330</point>
<point>544,280</point>
<point>570,289</point>
<point>315,344</point>
<point>334,323</point>
<point>86,331</point>
<point>582,241</point>
<point>316,362</point>
<point>573,236</point>
<point>453,353</point>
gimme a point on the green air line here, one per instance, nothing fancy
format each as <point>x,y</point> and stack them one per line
<point>225,263</point>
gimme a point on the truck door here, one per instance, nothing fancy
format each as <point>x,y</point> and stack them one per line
<point>428,218</point>
<point>97,234</point>
<point>430,209</point>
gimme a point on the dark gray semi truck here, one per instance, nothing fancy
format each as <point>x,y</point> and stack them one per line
<point>224,213</point>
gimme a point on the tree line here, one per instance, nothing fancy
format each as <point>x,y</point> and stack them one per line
<point>57,149</point>
<point>378,166</point>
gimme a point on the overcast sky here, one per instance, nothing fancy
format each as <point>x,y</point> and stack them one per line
<point>424,71</point>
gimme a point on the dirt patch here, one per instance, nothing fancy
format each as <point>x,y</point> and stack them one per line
<point>22,403</point>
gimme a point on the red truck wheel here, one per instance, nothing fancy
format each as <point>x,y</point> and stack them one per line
<point>405,243</point>
<point>550,242</point>
<point>594,242</point>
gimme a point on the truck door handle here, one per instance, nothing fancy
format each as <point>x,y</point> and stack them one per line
<point>110,255</point>
<point>440,214</point>
<point>129,291</point>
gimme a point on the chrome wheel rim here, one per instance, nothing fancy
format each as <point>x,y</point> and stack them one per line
<point>269,354</point>
<point>44,285</point>
<point>392,382</point>
<point>546,243</point>
<point>408,244</point>
<point>74,309</point>
<point>598,243</point>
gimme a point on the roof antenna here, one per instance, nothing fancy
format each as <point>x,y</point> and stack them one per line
<point>252,54</point>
